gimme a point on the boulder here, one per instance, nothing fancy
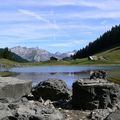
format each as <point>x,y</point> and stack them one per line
<point>13,88</point>
<point>52,89</point>
<point>94,94</point>
<point>113,116</point>
<point>31,110</point>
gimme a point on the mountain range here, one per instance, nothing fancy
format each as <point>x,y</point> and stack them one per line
<point>37,55</point>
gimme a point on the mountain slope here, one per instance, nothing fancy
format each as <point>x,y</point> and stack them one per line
<point>32,54</point>
<point>64,55</point>
<point>108,40</point>
<point>37,55</point>
<point>111,55</point>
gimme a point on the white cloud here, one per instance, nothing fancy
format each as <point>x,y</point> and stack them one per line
<point>37,3</point>
<point>103,4</point>
<point>96,14</point>
<point>30,13</point>
<point>39,17</point>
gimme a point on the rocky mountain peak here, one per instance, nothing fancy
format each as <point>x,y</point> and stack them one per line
<point>36,54</point>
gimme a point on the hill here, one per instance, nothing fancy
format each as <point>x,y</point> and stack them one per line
<point>107,41</point>
<point>111,55</point>
<point>6,54</point>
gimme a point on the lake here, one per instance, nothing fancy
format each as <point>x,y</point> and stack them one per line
<point>67,73</point>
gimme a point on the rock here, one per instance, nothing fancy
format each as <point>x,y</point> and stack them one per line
<point>94,94</point>
<point>113,116</point>
<point>9,118</point>
<point>30,97</point>
<point>24,100</point>
<point>98,114</point>
<point>47,102</point>
<point>52,89</point>
<point>6,100</point>
<point>4,114</point>
<point>101,74</point>
<point>35,118</point>
<point>13,106</point>
<point>41,100</point>
<point>31,110</point>
<point>12,88</point>
<point>64,104</point>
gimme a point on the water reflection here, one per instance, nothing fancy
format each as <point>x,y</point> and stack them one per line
<point>68,77</point>
<point>54,69</point>
<point>3,68</point>
<point>67,73</point>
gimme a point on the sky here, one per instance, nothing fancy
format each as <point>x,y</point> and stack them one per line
<point>55,25</point>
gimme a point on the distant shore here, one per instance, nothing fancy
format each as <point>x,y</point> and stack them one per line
<point>84,61</point>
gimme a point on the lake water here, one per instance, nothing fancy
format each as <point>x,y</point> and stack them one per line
<point>67,73</point>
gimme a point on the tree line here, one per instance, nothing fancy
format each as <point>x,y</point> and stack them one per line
<point>108,40</point>
<point>7,54</point>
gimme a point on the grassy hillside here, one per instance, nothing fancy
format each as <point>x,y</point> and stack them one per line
<point>111,55</point>
<point>114,76</point>
<point>9,62</point>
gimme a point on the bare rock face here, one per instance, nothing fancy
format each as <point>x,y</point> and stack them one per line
<point>52,89</point>
<point>12,88</point>
<point>94,94</point>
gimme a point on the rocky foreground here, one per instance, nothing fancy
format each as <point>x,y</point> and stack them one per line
<point>52,100</point>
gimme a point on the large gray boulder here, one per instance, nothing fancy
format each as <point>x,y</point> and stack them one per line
<point>52,89</point>
<point>94,94</point>
<point>13,88</point>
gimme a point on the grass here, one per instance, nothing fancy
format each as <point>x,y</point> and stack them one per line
<point>114,76</point>
<point>84,61</point>
<point>9,62</point>
<point>7,74</point>
<point>112,56</point>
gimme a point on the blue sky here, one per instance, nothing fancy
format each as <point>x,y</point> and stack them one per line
<point>55,25</point>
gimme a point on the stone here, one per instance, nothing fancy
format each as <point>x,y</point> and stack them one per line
<point>30,96</point>
<point>47,102</point>
<point>24,100</point>
<point>98,114</point>
<point>31,110</point>
<point>13,106</point>
<point>13,88</point>
<point>52,89</point>
<point>113,116</point>
<point>100,74</point>
<point>35,118</point>
<point>94,94</point>
<point>9,118</point>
